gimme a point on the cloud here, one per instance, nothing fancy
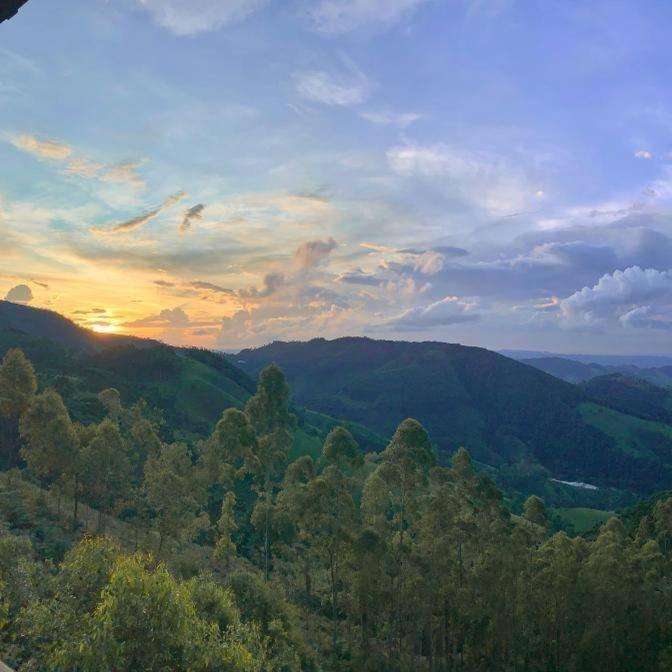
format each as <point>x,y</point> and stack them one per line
<point>333,17</point>
<point>92,311</point>
<point>209,286</point>
<point>164,283</point>
<point>83,167</point>
<point>328,89</point>
<point>429,263</point>
<point>193,214</point>
<point>168,317</point>
<point>271,284</point>
<point>359,277</point>
<point>43,149</point>
<point>633,297</point>
<point>137,222</point>
<point>187,17</point>
<point>400,119</point>
<point>480,178</point>
<point>312,252</point>
<point>643,154</point>
<point>447,311</point>
<point>125,172</point>
<point>19,294</point>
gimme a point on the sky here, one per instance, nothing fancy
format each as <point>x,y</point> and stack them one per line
<point>225,173</point>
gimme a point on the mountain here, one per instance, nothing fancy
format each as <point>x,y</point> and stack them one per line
<point>502,410</point>
<point>639,361</point>
<point>574,371</point>
<point>10,8</point>
<point>190,386</point>
<point>632,395</point>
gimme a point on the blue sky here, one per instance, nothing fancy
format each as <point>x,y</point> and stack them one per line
<point>230,172</point>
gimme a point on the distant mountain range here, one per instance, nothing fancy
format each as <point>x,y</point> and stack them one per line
<point>639,361</point>
<point>526,426</point>
<point>574,371</point>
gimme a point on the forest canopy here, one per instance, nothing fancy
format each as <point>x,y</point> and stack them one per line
<point>121,550</point>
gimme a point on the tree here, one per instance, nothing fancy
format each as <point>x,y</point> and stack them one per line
<point>269,414</point>
<point>225,547</point>
<point>110,400</point>
<point>534,510</point>
<point>170,495</point>
<point>51,440</point>
<point>52,449</point>
<point>341,449</point>
<point>329,520</point>
<point>17,383</point>
<point>226,452</point>
<point>17,386</point>
<point>106,469</point>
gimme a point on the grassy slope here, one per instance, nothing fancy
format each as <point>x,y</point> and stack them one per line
<point>582,519</point>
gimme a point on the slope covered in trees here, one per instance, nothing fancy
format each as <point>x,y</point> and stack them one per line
<point>242,559</point>
<point>505,412</point>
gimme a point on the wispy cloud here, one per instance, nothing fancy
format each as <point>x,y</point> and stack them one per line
<point>137,222</point>
<point>400,119</point>
<point>42,149</point>
<point>327,88</point>
<point>126,172</point>
<point>191,215</point>
<point>333,17</point>
<point>197,16</point>
<point>81,166</point>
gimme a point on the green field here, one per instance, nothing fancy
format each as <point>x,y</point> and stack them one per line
<point>583,519</point>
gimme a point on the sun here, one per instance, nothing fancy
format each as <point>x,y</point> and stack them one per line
<point>105,328</point>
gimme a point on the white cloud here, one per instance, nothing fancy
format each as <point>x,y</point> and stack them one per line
<point>634,297</point>
<point>19,294</point>
<point>447,311</point>
<point>187,17</point>
<point>400,119</point>
<point>643,154</point>
<point>328,89</point>
<point>482,178</point>
<point>333,17</point>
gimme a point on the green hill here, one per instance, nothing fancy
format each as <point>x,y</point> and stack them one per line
<point>502,410</point>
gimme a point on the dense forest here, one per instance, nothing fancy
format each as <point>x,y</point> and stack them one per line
<point>121,551</point>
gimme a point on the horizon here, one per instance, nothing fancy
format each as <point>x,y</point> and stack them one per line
<point>229,174</point>
<point>507,352</point>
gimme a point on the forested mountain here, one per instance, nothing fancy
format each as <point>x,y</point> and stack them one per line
<point>503,411</point>
<point>121,552</point>
<point>190,386</point>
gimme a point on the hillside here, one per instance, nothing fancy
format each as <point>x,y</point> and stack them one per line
<point>190,386</point>
<point>631,395</point>
<point>576,371</point>
<point>502,410</point>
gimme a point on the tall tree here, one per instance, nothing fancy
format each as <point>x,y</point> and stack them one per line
<point>17,383</point>
<point>269,414</point>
